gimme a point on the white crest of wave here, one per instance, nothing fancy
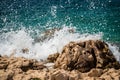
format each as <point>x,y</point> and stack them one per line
<point>12,43</point>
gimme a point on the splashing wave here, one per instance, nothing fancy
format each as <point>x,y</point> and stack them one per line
<point>21,44</point>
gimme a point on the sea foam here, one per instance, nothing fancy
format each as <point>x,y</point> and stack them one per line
<point>12,43</point>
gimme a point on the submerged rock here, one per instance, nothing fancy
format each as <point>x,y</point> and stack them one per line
<point>86,55</point>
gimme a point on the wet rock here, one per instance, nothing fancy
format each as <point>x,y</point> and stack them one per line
<point>53,57</point>
<point>84,56</point>
<point>25,50</point>
<point>47,34</point>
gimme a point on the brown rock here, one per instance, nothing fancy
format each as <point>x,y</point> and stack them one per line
<point>6,75</point>
<point>25,64</point>
<point>75,74</point>
<point>95,73</point>
<point>25,50</point>
<point>93,78</point>
<point>117,78</point>
<point>52,57</point>
<point>12,68</point>
<point>84,56</point>
<point>3,76</point>
<point>3,63</point>
<point>18,77</point>
<point>59,75</point>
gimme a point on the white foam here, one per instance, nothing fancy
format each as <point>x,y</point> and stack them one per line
<point>53,11</point>
<point>115,51</point>
<point>14,42</point>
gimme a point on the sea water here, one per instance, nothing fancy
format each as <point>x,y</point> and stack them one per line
<point>44,27</point>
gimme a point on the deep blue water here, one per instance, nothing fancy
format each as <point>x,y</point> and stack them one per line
<point>88,16</point>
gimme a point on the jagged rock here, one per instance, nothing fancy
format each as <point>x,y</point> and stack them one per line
<point>111,74</point>
<point>59,76</point>
<point>84,56</point>
<point>3,63</point>
<point>24,64</point>
<point>95,73</point>
<point>10,67</point>
<point>52,57</point>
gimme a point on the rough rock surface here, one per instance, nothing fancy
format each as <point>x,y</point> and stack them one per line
<point>95,54</point>
<point>84,56</point>
<point>52,57</point>
<point>11,66</point>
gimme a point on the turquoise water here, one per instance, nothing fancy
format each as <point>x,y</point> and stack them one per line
<point>88,16</point>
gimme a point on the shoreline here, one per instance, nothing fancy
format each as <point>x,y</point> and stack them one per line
<point>93,61</point>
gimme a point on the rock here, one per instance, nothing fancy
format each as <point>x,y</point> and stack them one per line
<point>52,57</point>
<point>93,78</point>
<point>75,57</point>
<point>3,63</point>
<point>12,68</point>
<point>18,77</point>
<point>59,75</point>
<point>35,79</point>
<point>25,64</point>
<point>6,75</point>
<point>3,75</point>
<point>111,74</point>
<point>86,55</point>
<point>75,75</point>
<point>95,73</point>
<point>25,50</point>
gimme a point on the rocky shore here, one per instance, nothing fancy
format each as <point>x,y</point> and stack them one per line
<point>88,60</point>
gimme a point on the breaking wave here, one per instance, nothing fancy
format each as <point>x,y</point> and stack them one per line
<point>20,43</point>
